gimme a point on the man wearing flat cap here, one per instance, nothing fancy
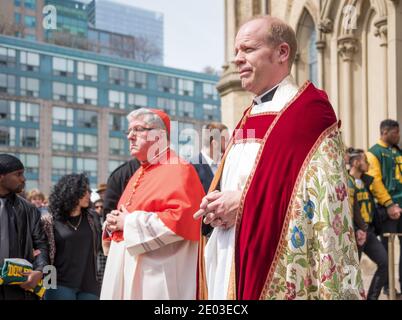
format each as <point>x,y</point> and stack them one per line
<point>21,233</point>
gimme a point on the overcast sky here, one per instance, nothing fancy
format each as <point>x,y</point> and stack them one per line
<point>194,31</point>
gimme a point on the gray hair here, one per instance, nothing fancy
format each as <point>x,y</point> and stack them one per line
<point>148,116</point>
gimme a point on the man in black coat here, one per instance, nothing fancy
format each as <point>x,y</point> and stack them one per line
<point>215,137</point>
<point>21,232</point>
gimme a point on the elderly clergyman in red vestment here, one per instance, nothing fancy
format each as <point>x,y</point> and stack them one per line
<point>283,227</point>
<point>153,237</point>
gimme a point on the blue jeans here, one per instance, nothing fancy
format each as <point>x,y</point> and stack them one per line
<point>65,293</point>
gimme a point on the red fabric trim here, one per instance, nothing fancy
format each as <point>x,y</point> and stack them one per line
<point>266,198</point>
<point>164,190</point>
<point>254,128</point>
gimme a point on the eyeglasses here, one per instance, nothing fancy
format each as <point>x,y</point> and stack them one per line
<point>137,130</point>
<point>98,207</point>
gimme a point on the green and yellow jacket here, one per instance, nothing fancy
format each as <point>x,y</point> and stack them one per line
<point>386,168</point>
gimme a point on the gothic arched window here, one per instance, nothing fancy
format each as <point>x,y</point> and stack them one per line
<point>307,65</point>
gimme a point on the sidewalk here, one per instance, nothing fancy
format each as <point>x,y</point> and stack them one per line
<point>368,269</point>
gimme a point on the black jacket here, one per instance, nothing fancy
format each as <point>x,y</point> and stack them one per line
<point>206,175</point>
<point>379,214</point>
<point>203,170</point>
<point>28,232</point>
<point>116,184</point>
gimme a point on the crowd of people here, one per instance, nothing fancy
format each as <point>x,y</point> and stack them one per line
<point>277,221</point>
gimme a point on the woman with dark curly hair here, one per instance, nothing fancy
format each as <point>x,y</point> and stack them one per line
<point>74,240</point>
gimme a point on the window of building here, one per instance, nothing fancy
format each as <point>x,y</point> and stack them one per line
<point>30,21</point>
<point>87,95</point>
<point>116,76</point>
<point>209,91</point>
<point>186,87</point>
<point>210,111</point>
<point>113,164</point>
<point>87,143</point>
<point>87,119</point>
<point>168,105</point>
<point>7,57</point>
<point>117,146</point>
<point>29,61</point>
<point>307,63</point>
<point>62,165</point>
<point>116,99</point>
<point>17,3</point>
<point>87,71</point>
<point>312,58</point>
<point>7,110</point>
<point>7,136</point>
<point>137,79</point>
<point>185,109</point>
<point>63,67</point>
<point>166,84</point>
<point>62,141</point>
<point>88,166</point>
<point>29,137</point>
<point>136,101</point>
<point>31,162</point>
<point>63,116</point>
<point>29,87</point>
<point>7,83</point>
<point>29,112</point>
<point>30,4</point>
<point>117,122</point>
<point>63,91</point>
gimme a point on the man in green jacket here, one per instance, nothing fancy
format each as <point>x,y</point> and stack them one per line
<point>385,159</point>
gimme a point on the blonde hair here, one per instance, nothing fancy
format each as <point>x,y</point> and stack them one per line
<point>35,193</point>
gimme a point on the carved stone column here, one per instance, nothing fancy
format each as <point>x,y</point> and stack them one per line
<point>324,26</point>
<point>381,32</point>
<point>347,47</point>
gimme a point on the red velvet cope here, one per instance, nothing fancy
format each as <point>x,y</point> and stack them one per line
<point>269,193</point>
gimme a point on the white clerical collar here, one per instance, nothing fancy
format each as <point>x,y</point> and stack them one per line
<point>259,99</point>
<point>284,92</point>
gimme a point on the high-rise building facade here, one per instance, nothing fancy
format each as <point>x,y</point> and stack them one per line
<point>64,110</point>
<point>128,20</point>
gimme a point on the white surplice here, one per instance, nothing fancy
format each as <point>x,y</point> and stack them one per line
<point>152,262</point>
<point>238,165</point>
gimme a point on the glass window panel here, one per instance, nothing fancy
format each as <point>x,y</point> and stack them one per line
<point>31,162</point>
<point>7,57</point>
<point>168,105</point>
<point>88,166</point>
<point>62,165</point>
<point>7,83</point>
<point>63,141</point>
<point>7,136</point>
<point>137,101</point>
<point>63,116</point>
<point>87,119</point>
<point>29,138</point>
<point>29,112</point>
<point>63,91</point>
<point>29,87</point>
<point>7,110</point>
<point>186,87</point>
<point>87,143</point>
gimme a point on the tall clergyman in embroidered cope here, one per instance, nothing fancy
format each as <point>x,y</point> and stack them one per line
<point>283,227</point>
<point>153,237</point>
